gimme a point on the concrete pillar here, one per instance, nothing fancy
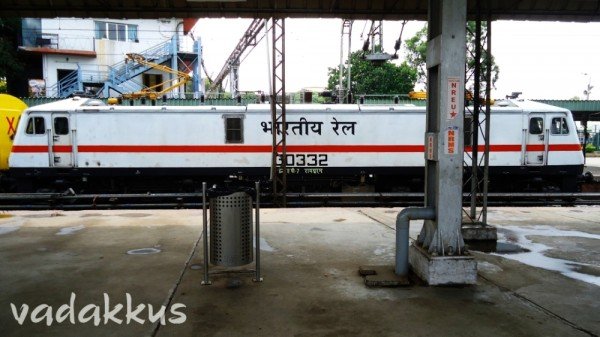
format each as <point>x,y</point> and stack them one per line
<point>438,255</point>
<point>174,63</point>
<point>234,78</point>
<point>198,83</point>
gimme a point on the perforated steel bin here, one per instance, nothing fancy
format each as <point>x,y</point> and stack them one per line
<point>231,230</point>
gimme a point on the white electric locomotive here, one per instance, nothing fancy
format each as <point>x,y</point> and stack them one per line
<point>88,146</point>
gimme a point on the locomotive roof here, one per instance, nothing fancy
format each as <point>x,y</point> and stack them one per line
<point>93,105</point>
<point>532,106</point>
<point>67,104</point>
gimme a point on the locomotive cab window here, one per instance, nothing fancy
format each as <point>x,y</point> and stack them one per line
<point>559,126</point>
<point>35,126</point>
<point>536,125</point>
<point>234,130</point>
<point>61,126</point>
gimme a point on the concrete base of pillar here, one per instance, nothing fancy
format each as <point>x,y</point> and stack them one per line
<point>442,270</point>
<point>478,231</point>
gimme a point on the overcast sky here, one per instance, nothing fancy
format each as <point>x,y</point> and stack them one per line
<point>542,59</point>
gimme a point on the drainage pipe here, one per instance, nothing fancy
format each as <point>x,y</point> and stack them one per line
<point>402,225</point>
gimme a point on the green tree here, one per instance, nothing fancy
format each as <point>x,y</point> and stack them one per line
<point>416,52</point>
<point>371,78</point>
<point>416,55</point>
<point>10,66</point>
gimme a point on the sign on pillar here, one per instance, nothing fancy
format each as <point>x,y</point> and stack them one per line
<point>451,140</point>
<point>453,88</point>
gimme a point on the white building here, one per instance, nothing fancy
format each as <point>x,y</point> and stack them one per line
<point>89,55</point>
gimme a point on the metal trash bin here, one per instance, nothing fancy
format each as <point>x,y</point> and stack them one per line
<point>231,227</point>
<point>231,230</point>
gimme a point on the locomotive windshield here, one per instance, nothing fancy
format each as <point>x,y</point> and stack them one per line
<point>559,126</point>
<point>35,126</point>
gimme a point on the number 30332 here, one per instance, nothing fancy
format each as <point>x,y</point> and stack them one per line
<point>303,160</point>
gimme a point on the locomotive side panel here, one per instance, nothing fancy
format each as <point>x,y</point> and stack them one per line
<point>331,144</point>
<point>353,141</point>
<point>505,139</point>
<point>205,140</point>
<point>153,140</point>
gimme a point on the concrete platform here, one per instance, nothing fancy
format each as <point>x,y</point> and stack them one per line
<point>311,286</point>
<point>592,164</point>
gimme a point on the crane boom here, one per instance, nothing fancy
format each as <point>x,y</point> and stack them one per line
<point>150,92</point>
<point>249,39</point>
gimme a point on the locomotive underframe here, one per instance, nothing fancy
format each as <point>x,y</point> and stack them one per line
<point>382,179</point>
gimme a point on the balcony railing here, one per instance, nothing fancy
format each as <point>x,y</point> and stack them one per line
<point>47,40</point>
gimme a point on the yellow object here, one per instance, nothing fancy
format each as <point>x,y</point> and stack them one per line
<point>113,101</point>
<point>468,96</point>
<point>150,92</point>
<point>417,95</point>
<point>11,109</point>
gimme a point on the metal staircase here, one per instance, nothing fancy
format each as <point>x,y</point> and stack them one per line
<point>118,75</point>
<point>68,84</point>
<point>73,82</point>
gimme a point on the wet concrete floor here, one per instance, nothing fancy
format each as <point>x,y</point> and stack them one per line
<point>546,284</point>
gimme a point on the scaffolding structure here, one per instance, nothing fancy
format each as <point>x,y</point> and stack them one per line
<point>477,123</point>
<point>278,123</point>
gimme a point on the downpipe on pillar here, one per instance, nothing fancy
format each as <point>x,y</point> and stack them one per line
<point>402,230</point>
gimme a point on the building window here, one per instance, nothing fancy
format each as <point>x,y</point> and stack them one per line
<point>132,33</point>
<point>154,81</point>
<point>121,32</point>
<point>100,30</point>
<point>36,126</point>
<point>234,130</point>
<point>112,31</point>
<point>116,31</point>
<point>559,126</point>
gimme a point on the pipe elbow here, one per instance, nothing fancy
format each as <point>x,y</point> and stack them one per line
<point>402,224</point>
<point>414,213</point>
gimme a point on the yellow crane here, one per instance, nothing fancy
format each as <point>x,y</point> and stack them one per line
<point>150,92</point>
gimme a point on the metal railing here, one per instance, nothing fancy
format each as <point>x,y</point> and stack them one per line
<point>225,99</point>
<point>47,40</point>
<point>33,101</point>
<point>75,80</point>
<point>68,84</point>
<point>123,71</point>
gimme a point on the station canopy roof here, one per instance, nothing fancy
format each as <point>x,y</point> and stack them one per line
<point>582,110</point>
<point>555,10</point>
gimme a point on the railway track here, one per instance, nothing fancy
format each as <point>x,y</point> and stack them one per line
<point>61,201</point>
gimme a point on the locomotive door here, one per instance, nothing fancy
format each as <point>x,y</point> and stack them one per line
<point>536,140</point>
<point>558,131</point>
<point>60,138</point>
